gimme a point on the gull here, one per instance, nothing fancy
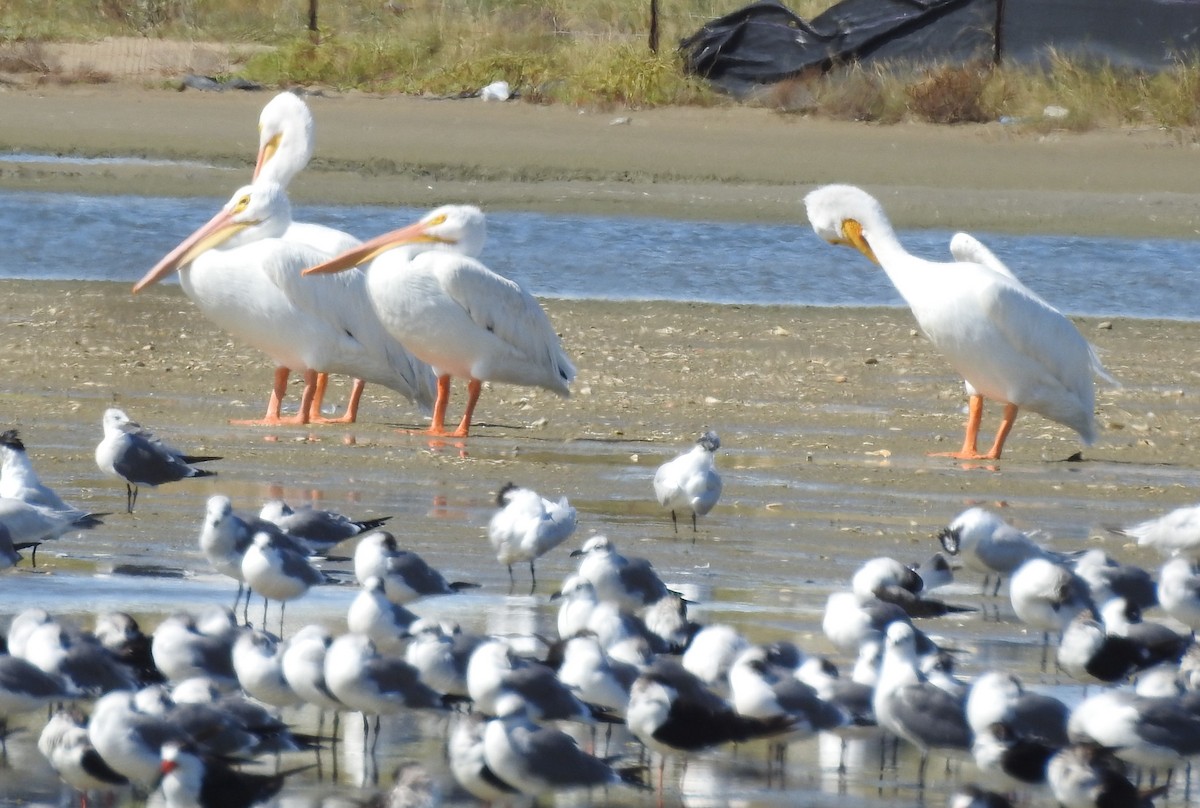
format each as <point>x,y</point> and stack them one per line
<point>913,709</point>
<point>85,666</point>
<point>886,579</point>
<point>578,600</point>
<point>1179,591</point>
<point>1009,344</point>
<point>319,529</point>
<point>1157,733</point>
<point>527,526</point>
<point>123,637</point>
<point>848,622</point>
<point>18,480</point>
<point>406,576</point>
<point>1108,578</point>
<point>1086,775</point>
<point>988,544</point>
<point>494,669</point>
<point>130,453</point>
<point>66,746</point>
<point>1088,653</point>
<point>630,582</point>
<point>854,701</point>
<point>468,762</point>
<point>277,572</point>
<point>373,684</point>
<point>1047,596</point>
<point>758,690</point>
<point>456,314</point>
<point>304,669</point>
<point>1000,698</point>
<point>690,483</point>
<point>129,740</point>
<point>182,651</point>
<point>595,677</point>
<point>711,654</point>
<point>27,526</point>
<point>225,536</point>
<point>373,615</point>
<point>935,572</point>
<point>1008,760</point>
<point>258,662</point>
<point>623,634</point>
<point>24,688</point>
<point>189,780</point>
<point>1174,533</point>
<point>1162,643</point>
<point>9,557</point>
<point>972,796</point>
<point>539,760</point>
<point>670,711</point>
<point>441,656</point>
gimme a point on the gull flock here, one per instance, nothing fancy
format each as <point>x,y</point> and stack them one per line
<point>205,709</point>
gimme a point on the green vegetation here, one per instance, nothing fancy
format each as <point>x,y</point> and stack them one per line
<point>586,52</point>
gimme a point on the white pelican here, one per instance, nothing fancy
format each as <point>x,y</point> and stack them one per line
<point>1008,343</point>
<point>456,314</point>
<point>246,279</point>
<point>285,145</point>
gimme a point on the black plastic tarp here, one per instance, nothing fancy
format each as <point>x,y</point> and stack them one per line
<point>764,42</point>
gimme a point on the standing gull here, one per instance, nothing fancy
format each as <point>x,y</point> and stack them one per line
<point>132,454</point>
<point>528,526</point>
<point>690,482</point>
<point>1009,344</point>
<point>18,480</point>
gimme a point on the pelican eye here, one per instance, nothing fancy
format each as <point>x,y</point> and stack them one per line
<point>241,204</point>
<point>436,220</point>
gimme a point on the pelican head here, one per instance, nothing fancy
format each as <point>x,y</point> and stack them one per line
<point>459,228</point>
<point>843,214</point>
<point>261,210</point>
<point>285,139</point>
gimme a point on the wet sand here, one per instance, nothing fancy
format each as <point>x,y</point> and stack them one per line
<point>826,415</point>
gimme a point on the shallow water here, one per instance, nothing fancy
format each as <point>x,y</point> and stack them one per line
<point>69,237</point>
<point>764,560</point>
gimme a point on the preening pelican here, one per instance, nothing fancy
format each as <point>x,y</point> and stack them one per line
<point>456,314</point>
<point>246,279</point>
<point>1008,343</point>
<point>285,145</point>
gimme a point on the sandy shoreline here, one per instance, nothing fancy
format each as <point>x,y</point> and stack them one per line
<point>730,163</point>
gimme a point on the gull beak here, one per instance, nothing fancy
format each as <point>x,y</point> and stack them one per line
<point>219,229</point>
<point>370,250</point>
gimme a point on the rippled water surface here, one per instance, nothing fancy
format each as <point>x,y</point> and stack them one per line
<point>118,238</point>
